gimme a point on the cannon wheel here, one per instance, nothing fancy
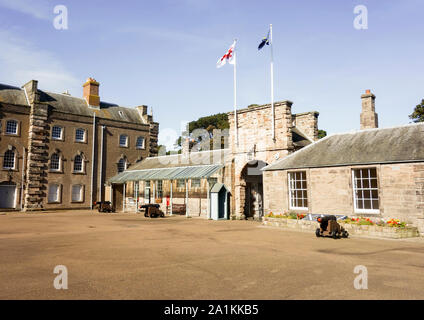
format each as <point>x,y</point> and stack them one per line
<point>318,232</point>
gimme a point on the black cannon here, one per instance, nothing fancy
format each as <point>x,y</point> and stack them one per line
<point>152,210</point>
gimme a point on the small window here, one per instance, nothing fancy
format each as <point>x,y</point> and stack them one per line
<point>77,193</point>
<point>80,135</point>
<point>195,183</point>
<point>365,190</point>
<point>12,127</point>
<point>159,189</point>
<point>78,163</point>
<point>123,140</point>
<point>180,183</point>
<point>298,193</point>
<point>55,162</point>
<point>9,160</point>
<point>57,133</point>
<point>122,165</point>
<point>54,192</point>
<point>140,143</point>
<point>212,182</point>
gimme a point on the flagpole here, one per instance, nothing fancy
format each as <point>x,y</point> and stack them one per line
<point>272,84</point>
<point>235,98</point>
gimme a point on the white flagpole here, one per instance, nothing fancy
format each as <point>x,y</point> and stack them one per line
<point>235,97</point>
<point>272,84</point>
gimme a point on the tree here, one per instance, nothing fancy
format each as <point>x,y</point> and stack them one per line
<point>209,123</point>
<point>418,114</point>
<point>322,134</point>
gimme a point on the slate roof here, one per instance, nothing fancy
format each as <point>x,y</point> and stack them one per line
<point>372,146</point>
<point>68,104</point>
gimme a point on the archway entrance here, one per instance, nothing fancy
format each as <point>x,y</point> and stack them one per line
<point>251,177</point>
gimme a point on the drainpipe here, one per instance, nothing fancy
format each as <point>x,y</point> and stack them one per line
<point>101,163</point>
<point>92,160</point>
<point>23,177</point>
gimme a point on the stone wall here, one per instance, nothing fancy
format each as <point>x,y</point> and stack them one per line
<point>307,123</point>
<point>330,191</point>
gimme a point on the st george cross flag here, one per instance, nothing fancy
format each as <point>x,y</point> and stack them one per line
<point>227,56</point>
<point>265,41</point>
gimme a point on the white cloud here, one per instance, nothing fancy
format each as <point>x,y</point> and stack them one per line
<point>21,61</point>
<point>39,9</point>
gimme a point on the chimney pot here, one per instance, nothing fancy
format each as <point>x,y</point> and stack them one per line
<point>368,91</point>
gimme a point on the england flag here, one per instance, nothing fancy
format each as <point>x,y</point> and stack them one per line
<point>229,56</point>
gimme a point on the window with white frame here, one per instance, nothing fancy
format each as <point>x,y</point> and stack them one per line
<point>55,162</point>
<point>140,143</point>
<point>54,193</point>
<point>298,193</point>
<point>12,127</point>
<point>80,135</point>
<point>123,140</point>
<point>195,183</point>
<point>77,193</point>
<point>78,163</point>
<point>122,165</point>
<point>365,190</point>
<point>9,160</point>
<point>159,189</point>
<point>180,183</point>
<point>57,133</point>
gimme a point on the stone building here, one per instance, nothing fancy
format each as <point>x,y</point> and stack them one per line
<point>57,151</point>
<point>373,172</point>
<point>193,173</point>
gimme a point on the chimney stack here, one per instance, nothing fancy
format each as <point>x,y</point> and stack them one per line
<point>369,118</point>
<point>91,93</point>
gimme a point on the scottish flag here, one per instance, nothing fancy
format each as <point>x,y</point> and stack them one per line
<point>265,41</point>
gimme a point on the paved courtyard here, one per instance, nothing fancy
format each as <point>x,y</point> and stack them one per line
<point>127,256</point>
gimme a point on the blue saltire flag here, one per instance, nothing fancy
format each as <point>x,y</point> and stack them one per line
<point>265,41</point>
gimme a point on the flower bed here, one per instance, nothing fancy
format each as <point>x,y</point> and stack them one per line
<point>393,228</point>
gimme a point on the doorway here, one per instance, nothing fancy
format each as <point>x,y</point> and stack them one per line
<point>7,196</point>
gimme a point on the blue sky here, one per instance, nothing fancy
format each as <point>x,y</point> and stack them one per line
<point>163,54</point>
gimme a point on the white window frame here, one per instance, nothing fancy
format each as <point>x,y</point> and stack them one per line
<point>14,160</point>
<point>82,164</point>
<point>159,190</point>
<point>354,189</point>
<point>83,136</point>
<point>81,197</point>
<point>291,184</point>
<point>198,186</point>
<point>61,133</point>
<point>125,164</point>
<point>60,163</point>
<point>126,140</point>
<point>57,200</point>
<point>142,145</point>
<point>16,127</point>
<point>180,181</point>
